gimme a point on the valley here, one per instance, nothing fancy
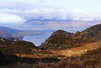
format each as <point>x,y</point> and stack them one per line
<point>61,49</point>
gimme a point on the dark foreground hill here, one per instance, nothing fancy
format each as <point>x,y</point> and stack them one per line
<point>13,47</point>
<point>91,59</point>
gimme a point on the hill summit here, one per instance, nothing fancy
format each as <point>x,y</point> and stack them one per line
<point>57,40</point>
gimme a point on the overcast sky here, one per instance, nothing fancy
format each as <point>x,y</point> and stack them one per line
<point>19,11</point>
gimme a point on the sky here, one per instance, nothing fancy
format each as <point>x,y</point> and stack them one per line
<point>79,15</point>
<point>14,13</point>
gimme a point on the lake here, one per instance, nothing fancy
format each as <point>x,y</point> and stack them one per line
<point>38,39</point>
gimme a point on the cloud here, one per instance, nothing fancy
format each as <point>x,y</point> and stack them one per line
<point>10,18</point>
<point>18,11</point>
<point>53,13</point>
<point>64,9</point>
<point>16,4</point>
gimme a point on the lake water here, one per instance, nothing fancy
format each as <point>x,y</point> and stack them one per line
<point>37,39</point>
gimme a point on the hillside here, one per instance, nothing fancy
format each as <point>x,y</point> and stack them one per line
<point>57,40</point>
<point>13,47</point>
<point>61,50</point>
<point>27,54</point>
<point>91,59</point>
<point>91,34</point>
<point>62,39</point>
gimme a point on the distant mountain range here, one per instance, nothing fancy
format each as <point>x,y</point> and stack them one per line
<point>15,34</point>
<point>44,19</point>
<point>8,33</point>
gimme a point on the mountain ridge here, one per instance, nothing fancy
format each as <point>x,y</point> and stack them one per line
<point>91,34</point>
